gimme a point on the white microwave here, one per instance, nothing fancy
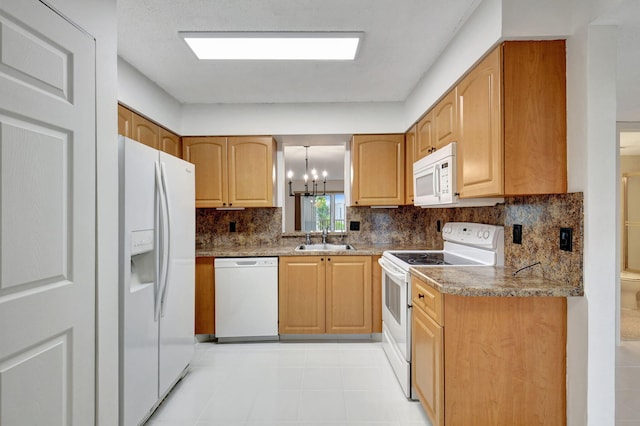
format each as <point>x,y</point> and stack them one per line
<point>435,178</point>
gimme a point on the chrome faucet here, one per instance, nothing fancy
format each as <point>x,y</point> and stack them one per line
<point>325,232</point>
<point>307,239</point>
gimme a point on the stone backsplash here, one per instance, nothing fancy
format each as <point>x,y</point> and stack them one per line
<point>253,227</point>
<point>541,218</point>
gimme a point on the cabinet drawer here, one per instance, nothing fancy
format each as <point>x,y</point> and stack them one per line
<point>428,299</point>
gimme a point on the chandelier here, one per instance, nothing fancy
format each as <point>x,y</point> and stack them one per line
<point>313,176</point>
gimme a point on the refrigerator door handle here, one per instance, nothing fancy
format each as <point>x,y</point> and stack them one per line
<point>166,239</point>
<point>160,243</point>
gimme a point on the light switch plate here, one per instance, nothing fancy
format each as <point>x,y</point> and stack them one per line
<point>566,239</point>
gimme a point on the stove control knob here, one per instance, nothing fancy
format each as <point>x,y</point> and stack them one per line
<point>486,235</point>
<point>479,234</point>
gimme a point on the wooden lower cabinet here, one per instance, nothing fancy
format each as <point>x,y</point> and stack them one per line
<point>325,294</point>
<point>490,360</point>
<point>301,294</point>
<point>205,296</point>
<point>376,295</point>
<point>428,368</point>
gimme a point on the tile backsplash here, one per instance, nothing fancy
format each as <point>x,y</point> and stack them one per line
<point>540,216</point>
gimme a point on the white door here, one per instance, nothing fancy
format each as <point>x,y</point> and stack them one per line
<point>47,218</point>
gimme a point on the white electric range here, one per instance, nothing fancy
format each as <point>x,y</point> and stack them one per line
<point>465,244</point>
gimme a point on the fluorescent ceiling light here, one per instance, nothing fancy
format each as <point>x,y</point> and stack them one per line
<point>293,46</point>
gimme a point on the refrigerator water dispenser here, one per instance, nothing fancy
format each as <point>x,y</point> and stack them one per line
<point>142,260</point>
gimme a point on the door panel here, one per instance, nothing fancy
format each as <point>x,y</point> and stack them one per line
<point>47,218</point>
<point>177,317</point>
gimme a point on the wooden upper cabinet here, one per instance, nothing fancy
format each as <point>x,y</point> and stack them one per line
<point>140,129</point>
<point>535,120</point>
<point>378,170</point>
<point>125,121</point>
<point>146,132</point>
<point>512,122</point>
<point>410,158</point>
<point>445,120</point>
<point>480,148</point>
<point>251,171</point>
<point>209,154</point>
<point>438,127</point>
<point>232,172</point>
<point>170,143</point>
<point>425,143</point>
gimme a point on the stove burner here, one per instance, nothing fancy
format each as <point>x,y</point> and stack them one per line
<point>425,259</point>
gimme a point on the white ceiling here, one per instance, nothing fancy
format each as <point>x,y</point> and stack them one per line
<point>402,39</point>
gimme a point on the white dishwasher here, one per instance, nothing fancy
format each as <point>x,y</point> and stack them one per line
<point>246,299</point>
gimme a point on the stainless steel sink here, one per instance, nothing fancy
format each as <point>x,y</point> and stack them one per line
<point>324,247</point>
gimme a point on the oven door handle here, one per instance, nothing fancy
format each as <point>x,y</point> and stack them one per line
<point>388,269</point>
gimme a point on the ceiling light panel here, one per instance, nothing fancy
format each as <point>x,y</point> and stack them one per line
<point>272,46</point>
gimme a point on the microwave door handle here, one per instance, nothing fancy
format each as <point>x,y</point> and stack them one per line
<point>436,180</point>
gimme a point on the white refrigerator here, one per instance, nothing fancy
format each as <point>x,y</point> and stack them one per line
<point>157,276</point>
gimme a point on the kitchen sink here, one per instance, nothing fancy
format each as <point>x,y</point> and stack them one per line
<point>324,247</point>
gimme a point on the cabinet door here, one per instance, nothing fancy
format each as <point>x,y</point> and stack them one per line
<point>145,131</point>
<point>480,148</point>
<point>209,154</point>
<point>535,117</point>
<point>251,171</point>
<point>348,294</point>
<point>376,294</point>
<point>301,295</point>
<point>378,170</point>
<point>445,120</point>
<point>427,372</point>
<point>410,144</point>
<point>425,143</point>
<point>205,296</point>
<point>170,143</point>
<point>125,121</point>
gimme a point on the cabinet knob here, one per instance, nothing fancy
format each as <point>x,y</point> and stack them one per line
<point>224,204</point>
<point>356,202</point>
<point>420,296</point>
<point>328,259</point>
<point>457,194</point>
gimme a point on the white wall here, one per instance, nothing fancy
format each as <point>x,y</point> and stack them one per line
<point>98,18</point>
<point>482,30</point>
<point>601,204</point>
<point>147,98</point>
<point>292,119</point>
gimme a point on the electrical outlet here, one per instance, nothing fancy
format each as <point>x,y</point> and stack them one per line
<point>232,227</point>
<point>354,226</point>
<point>566,239</point>
<point>517,234</point>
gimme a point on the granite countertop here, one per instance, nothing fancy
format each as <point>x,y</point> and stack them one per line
<point>289,250</point>
<point>492,281</point>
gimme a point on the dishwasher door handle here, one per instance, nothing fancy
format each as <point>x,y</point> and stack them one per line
<point>246,263</point>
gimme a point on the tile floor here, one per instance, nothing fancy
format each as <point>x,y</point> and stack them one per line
<point>628,383</point>
<point>285,383</point>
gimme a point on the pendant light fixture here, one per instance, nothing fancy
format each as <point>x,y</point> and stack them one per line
<point>313,177</point>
